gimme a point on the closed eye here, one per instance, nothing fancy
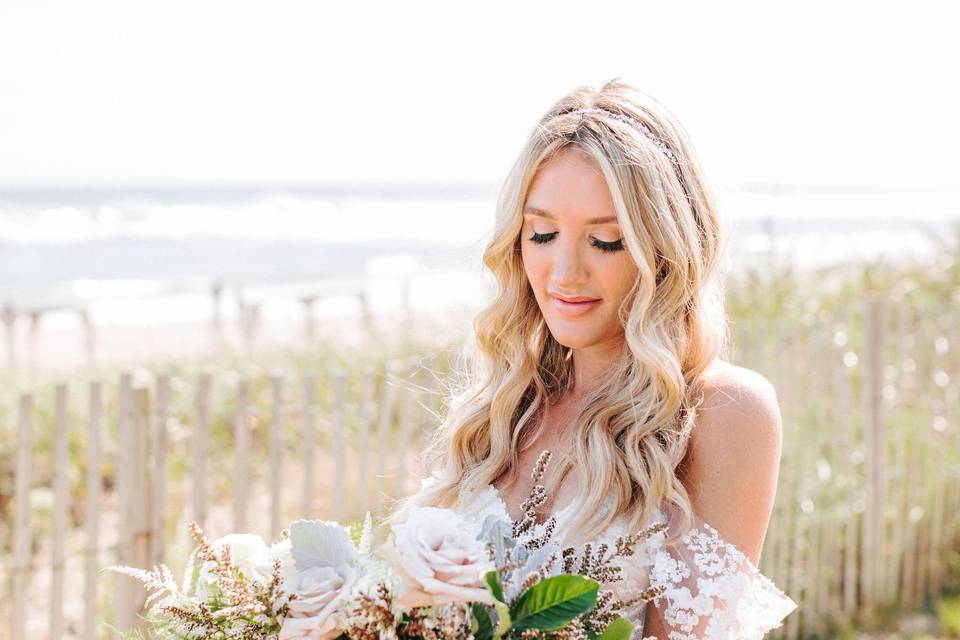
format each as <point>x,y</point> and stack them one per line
<point>607,246</point>
<point>543,238</point>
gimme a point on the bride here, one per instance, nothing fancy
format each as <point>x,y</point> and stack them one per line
<point>603,344</point>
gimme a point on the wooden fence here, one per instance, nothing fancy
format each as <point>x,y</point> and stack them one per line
<point>867,504</point>
<point>322,445</point>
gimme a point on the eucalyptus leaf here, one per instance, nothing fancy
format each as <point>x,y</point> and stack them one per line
<point>498,533</point>
<point>315,543</point>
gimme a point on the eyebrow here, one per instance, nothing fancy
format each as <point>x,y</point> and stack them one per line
<point>546,214</point>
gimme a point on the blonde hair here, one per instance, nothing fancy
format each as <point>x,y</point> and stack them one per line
<point>633,429</point>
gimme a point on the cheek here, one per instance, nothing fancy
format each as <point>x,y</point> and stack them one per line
<point>532,266</point>
<point>620,277</point>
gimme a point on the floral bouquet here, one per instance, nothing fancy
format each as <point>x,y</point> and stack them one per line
<point>437,577</point>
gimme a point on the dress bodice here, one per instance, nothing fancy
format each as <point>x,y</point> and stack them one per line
<point>713,590</point>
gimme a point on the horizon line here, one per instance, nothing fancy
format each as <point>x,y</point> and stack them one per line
<point>217,190</point>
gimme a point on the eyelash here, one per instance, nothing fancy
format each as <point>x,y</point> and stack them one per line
<point>606,247</point>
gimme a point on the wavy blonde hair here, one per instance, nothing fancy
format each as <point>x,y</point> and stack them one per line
<point>632,431</point>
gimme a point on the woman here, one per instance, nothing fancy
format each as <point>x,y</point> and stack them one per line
<point>603,344</point>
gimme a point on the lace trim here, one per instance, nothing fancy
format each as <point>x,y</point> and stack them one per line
<point>713,590</point>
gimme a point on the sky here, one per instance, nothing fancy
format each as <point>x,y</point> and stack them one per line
<point>206,92</point>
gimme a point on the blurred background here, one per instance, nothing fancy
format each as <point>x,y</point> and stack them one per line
<point>240,248</point>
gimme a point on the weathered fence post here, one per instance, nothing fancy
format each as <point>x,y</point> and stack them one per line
<point>159,497</point>
<point>276,451</point>
<point>141,511</point>
<point>9,317</point>
<point>338,425</point>
<point>124,585</point>
<point>875,440</point>
<point>367,416</point>
<point>309,443</point>
<point>61,528</point>
<point>241,456</point>
<point>384,439</point>
<point>92,524</point>
<point>21,524</point>
<point>201,435</point>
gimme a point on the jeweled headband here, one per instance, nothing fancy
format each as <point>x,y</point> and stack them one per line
<point>643,129</point>
<point>636,124</point>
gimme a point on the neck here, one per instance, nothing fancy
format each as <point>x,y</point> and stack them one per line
<point>591,364</point>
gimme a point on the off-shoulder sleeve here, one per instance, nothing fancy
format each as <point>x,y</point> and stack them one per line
<point>713,590</point>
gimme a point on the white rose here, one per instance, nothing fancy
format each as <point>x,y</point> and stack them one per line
<point>248,552</point>
<point>438,559</point>
<point>281,550</point>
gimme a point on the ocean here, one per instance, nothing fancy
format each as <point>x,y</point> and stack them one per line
<point>146,257</point>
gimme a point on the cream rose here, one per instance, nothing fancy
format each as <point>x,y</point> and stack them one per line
<point>438,559</point>
<point>313,614</point>
<point>326,570</point>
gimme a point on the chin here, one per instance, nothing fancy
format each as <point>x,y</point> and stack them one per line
<point>573,340</point>
<point>578,337</point>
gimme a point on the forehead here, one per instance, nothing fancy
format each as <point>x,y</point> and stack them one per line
<point>570,187</point>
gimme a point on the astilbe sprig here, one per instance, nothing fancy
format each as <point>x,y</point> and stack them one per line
<point>596,562</point>
<point>372,616</point>
<point>238,608</point>
<point>441,622</point>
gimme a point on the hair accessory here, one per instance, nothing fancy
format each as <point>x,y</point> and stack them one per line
<point>636,124</point>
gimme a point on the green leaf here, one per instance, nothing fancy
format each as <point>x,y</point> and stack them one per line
<point>503,619</point>
<point>492,578</point>
<point>553,602</point>
<point>355,527</point>
<point>619,629</point>
<point>484,625</point>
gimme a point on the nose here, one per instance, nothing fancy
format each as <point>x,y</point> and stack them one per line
<point>569,268</point>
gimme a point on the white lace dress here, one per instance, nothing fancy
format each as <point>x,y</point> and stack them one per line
<point>713,591</point>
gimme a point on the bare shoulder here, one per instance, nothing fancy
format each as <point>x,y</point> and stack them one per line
<point>733,457</point>
<point>739,419</point>
<point>737,400</point>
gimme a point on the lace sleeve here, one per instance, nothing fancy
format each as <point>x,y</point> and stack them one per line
<point>713,590</point>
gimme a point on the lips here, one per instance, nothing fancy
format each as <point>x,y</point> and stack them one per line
<point>568,308</point>
<point>573,298</point>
